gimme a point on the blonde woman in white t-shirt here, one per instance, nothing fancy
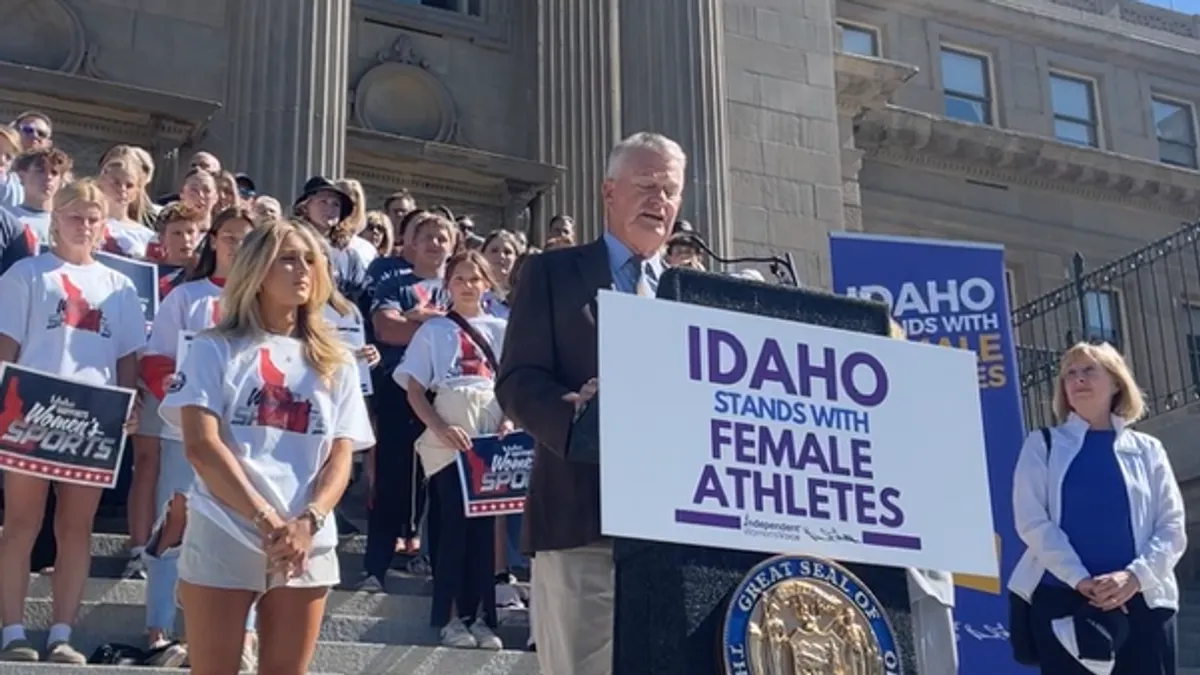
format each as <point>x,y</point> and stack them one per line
<point>123,182</point>
<point>271,411</point>
<point>454,358</point>
<point>65,314</point>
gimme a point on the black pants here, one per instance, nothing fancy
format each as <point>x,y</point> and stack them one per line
<point>399,498</point>
<point>462,568</point>
<point>1149,649</point>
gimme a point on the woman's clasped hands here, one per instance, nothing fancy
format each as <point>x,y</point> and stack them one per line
<point>286,544</point>
<point>1110,591</point>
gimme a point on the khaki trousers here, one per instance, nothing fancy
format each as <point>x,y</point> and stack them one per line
<point>573,597</point>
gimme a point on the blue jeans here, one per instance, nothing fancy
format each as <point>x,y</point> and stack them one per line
<point>175,476</point>
<point>512,542</point>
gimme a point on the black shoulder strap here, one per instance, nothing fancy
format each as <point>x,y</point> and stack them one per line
<point>1046,440</point>
<point>478,339</point>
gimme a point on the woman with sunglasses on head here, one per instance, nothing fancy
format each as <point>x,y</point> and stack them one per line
<point>162,475</point>
<point>270,409</point>
<point>68,315</point>
<point>378,233</point>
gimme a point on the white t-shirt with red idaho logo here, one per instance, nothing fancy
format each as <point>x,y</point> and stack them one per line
<point>276,416</point>
<point>127,238</point>
<point>441,354</point>
<point>189,308</point>
<point>71,320</point>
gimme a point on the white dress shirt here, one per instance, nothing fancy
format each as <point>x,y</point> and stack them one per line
<point>1155,507</point>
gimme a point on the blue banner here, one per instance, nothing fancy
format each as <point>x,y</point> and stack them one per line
<point>494,474</point>
<point>953,294</point>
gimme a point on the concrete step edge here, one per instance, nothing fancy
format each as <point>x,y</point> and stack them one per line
<point>340,601</point>
<point>124,624</point>
<point>345,658</point>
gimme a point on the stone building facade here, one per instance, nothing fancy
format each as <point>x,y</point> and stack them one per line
<point>1054,127</point>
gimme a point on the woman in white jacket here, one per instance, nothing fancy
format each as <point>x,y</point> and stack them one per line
<point>1102,517</point>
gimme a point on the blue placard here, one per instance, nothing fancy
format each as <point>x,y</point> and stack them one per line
<point>494,474</point>
<point>953,294</point>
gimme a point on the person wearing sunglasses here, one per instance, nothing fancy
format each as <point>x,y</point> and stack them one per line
<point>35,130</point>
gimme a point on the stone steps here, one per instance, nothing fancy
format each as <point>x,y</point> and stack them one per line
<point>114,611</point>
<point>344,658</point>
<point>361,634</point>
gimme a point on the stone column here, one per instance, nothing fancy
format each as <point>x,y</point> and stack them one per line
<point>579,118</point>
<point>673,83</point>
<point>286,105</point>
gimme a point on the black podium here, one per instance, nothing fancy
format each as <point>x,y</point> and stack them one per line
<point>671,599</point>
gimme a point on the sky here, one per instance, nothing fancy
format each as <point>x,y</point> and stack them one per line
<point>1188,6</point>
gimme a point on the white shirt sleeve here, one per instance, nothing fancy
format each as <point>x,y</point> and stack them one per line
<point>1031,514</point>
<point>131,334</point>
<point>420,358</point>
<point>1157,557</point>
<point>200,381</point>
<point>350,419</point>
<point>17,290</point>
<point>168,323</point>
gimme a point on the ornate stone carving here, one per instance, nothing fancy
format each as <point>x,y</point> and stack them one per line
<point>404,52</point>
<point>903,136</point>
<point>42,33</point>
<point>401,96</point>
<point>864,82</point>
<point>1158,18</point>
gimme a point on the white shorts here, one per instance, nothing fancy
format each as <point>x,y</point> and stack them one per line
<point>213,558</point>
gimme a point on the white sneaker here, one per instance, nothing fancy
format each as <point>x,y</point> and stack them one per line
<point>484,636</point>
<point>167,654</point>
<point>455,634</point>
<point>370,584</point>
<point>508,597</point>
<point>136,567</point>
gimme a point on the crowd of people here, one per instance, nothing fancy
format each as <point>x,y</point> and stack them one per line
<point>286,341</point>
<point>420,299</point>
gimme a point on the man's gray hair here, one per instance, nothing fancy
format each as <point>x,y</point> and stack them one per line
<point>644,140</point>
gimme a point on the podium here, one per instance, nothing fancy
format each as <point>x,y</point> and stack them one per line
<point>671,599</point>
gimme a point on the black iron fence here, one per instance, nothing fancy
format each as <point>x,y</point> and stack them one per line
<point>1147,304</point>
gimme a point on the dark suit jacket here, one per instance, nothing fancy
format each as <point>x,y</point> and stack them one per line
<point>549,351</point>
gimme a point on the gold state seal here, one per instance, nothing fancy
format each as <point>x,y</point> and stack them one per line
<point>797,615</point>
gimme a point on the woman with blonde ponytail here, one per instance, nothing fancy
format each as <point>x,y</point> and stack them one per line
<point>270,410</point>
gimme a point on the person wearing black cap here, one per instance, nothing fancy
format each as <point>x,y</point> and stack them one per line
<point>247,190</point>
<point>325,207</point>
<point>1099,509</point>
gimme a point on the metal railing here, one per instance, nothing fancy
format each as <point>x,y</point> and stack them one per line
<point>1146,303</point>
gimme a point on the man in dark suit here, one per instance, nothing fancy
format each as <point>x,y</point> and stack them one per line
<point>549,371</point>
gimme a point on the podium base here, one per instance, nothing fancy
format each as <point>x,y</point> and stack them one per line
<point>671,609</point>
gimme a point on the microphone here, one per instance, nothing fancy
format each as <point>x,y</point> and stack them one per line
<point>783,267</point>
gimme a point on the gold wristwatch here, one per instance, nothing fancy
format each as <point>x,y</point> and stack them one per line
<point>315,516</point>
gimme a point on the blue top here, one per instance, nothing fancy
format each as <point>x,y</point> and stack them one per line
<point>622,265</point>
<point>1095,508</point>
